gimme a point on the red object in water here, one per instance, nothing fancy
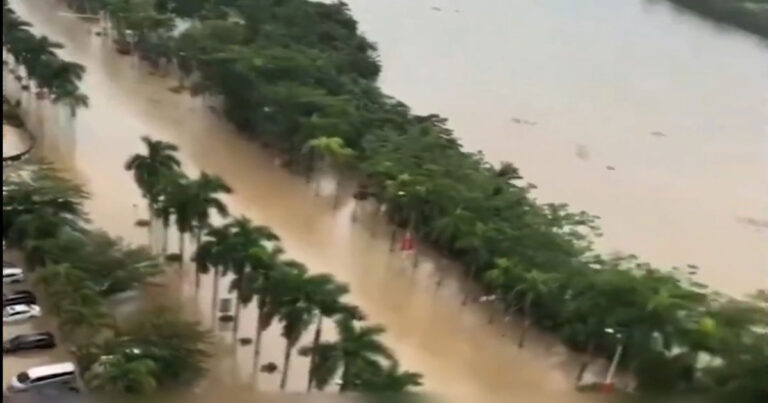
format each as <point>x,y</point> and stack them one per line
<point>407,243</point>
<point>607,388</point>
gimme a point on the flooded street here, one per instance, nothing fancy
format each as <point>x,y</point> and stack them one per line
<point>462,358</point>
<point>680,193</point>
<point>676,106</point>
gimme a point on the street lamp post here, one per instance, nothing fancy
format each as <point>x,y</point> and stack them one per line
<point>616,355</point>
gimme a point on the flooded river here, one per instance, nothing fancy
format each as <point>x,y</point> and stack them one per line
<point>533,103</point>
<point>677,106</point>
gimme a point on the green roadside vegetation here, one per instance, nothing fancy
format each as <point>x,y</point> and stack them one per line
<point>78,269</point>
<point>33,62</point>
<point>298,76</point>
<point>282,289</point>
<point>749,15</point>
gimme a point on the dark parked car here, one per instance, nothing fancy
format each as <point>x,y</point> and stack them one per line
<point>19,297</point>
<point>31,341</point>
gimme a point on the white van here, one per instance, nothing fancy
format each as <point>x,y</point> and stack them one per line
<point>64,373</point>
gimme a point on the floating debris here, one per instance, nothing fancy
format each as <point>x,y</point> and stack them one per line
<point>753,222</point>
<point>582,152</point>
<point>269,368</point>
<point>245,341</point>
<point>437,8</point>
<point>658,134</point>
<point>524,122</point>
<point>610,167</point>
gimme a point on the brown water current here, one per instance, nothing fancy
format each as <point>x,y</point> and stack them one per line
<point>653,119</point>
<point>463,358</point>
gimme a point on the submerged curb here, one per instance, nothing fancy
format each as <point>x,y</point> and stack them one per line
<point>9,159</point>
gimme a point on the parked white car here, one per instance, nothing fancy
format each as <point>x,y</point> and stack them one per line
<point>12,274</point>
<point>64,373</point>
<point>15,313</point>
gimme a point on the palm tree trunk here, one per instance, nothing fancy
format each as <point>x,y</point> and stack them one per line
<point>257,347</point>
<point>344,379</point>
<point>165,238</point>
<point>198,240</point>
<point>149,225</point>
<point>286,365</point>
<point>315,342</point>
<point>215,298</point>
<point>181,250</point>
<point>236,322</point>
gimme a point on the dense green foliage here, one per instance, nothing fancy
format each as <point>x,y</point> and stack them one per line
<point>77,269</point>
<point>749,15</point>
<point>289,72</point>
<point>157,349</point>
<point>37,57</point>
<point>296,73</point>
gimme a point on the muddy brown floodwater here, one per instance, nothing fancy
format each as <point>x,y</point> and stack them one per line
<point>675,105</point>
<point>462,357</point>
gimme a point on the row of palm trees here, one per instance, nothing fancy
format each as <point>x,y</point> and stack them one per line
<point>282,289</point>
<point>42,69</point>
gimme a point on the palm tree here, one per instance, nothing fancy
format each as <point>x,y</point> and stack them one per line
<point>332,150</point>
<point>325,296</point>
<point>270,281</point>
<point>356,350</point>
<point>44,188</point>
<point>164,210</point>
<point>387,379</point>
<point>535,284</point>
<point>149,170</point>
<point>70,97</point>
<point>30,230</point>
<point>212,254</point>
<point>121,374</point>
<point>180,198</point>
<point>204,198</point>
<point>296,317</point>
<point>475,245</point>
<point>252,248</point>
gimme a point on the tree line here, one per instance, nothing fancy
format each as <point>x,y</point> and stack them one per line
<point>78,269</point>
<point>282,289</point>
<point>34,64</point>
<point>295,74</point>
